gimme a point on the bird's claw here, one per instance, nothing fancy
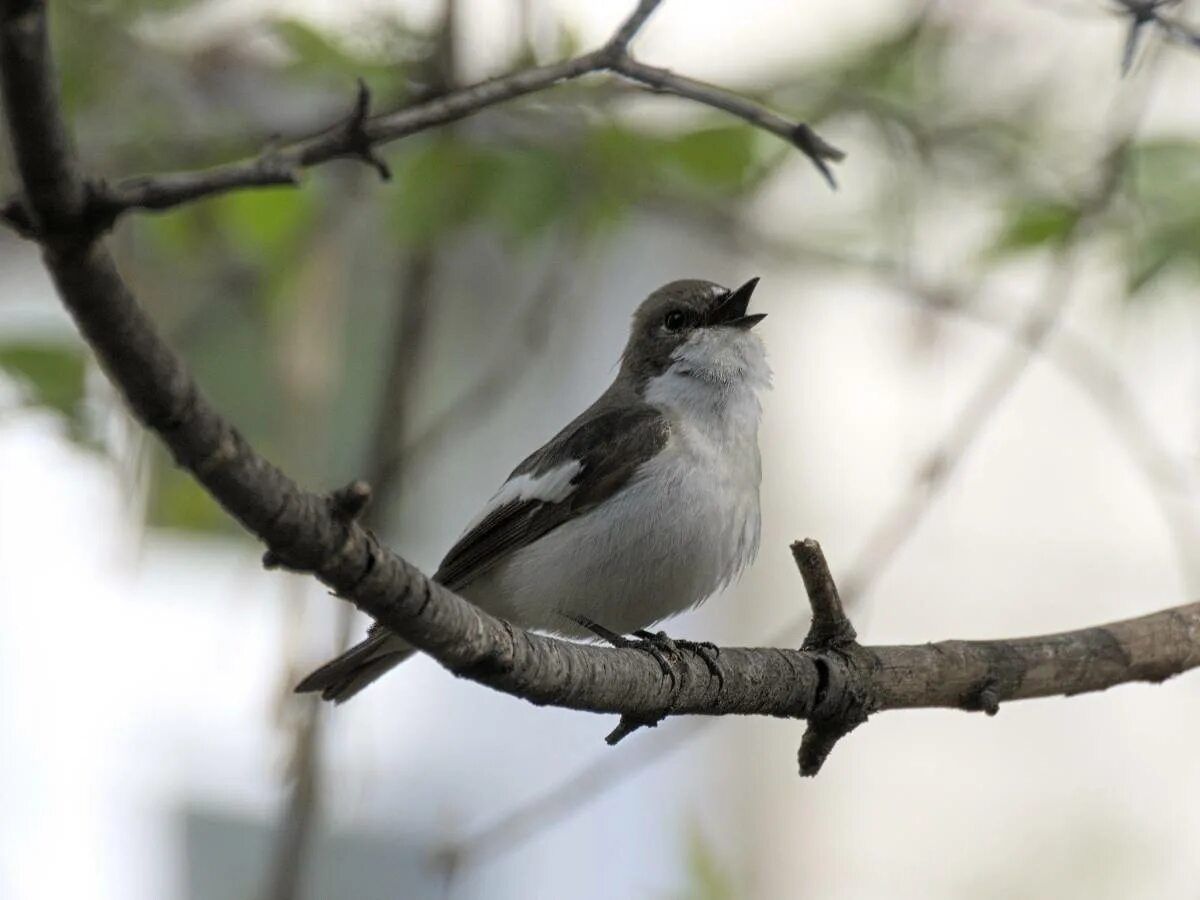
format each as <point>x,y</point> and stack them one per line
<point>708,652</point>
<point>662,647</point>
<point>654,648</point>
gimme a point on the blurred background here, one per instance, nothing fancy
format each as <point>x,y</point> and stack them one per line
<point>986,347</point>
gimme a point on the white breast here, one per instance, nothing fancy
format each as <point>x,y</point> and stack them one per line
<point>683,527</point>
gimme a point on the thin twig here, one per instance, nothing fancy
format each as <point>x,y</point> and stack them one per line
<point>632,25</point>
<point>359,135</point>
<point>1143,13</point>
<point>830,627</point>
<point>819,151</point>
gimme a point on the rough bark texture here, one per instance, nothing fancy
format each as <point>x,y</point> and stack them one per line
<point>835,683</point>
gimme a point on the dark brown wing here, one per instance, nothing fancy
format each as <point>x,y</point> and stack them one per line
<point>610,447</point>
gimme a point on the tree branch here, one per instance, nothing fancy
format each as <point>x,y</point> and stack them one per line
<point>800,135</point>
<point>1148,12</point>
<point>359,133</point>
<point>320,535</point>
<point>632,25</point>
<point>52,189</point>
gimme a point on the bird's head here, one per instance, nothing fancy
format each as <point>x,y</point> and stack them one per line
<point>699,330</point>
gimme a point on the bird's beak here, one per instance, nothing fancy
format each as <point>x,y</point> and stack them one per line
<point>731,311</point>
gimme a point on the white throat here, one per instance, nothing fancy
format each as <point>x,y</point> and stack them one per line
<point>713,383</point>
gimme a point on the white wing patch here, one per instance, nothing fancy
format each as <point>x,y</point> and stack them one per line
<point>551,486</point>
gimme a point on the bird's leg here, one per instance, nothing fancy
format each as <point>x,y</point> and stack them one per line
<point>661,646</point>
<point>654,648</point>
<point>664,649</point>
<point>706,650</point>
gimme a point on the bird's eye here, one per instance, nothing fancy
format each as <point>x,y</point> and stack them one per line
<point>675,320</point>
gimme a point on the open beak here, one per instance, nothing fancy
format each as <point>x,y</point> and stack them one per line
<point>731,310</point>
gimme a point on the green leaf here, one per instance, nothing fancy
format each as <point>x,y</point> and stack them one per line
<point>1162,247</point>
<point>896,65</point>
<point>264,225</point>
<point>531,190</point>
<point>266,222</point>
<point>723,157</point>
<point>617,166</point>
<point>567,40</point>
<point>177,501</point>
<point>1164,177</point>
<point>1157,169</point>
<point>706,877</point>
<point>393,47</point>
<point>53,374</point>
<point>1035,224</point>
<point>312,49</point>
<point>440,184</point>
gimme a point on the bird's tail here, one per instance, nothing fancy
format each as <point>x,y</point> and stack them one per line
<point>344,676</point>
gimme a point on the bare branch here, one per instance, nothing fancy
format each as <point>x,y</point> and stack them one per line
<point>1142,13</point>
<point>632,25</point>
<point>830,628</point>
<point>799,134</point>
<point>282,165</point>
<point>359,135</point>
<point>53,191</point>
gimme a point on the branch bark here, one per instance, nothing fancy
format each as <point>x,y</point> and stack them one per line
<point>318,534</point>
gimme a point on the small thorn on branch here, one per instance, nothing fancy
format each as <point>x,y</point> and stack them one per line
<point>356,133</point>
<point>627,726</point>
<point>985,700</point>
<point>820,738</point>
<point>989,702</point>
<point>349,502</point>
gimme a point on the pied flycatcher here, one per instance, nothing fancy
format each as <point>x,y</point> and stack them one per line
<point>643,506</point>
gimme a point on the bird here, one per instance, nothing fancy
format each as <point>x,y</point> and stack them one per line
<point>643,506</point>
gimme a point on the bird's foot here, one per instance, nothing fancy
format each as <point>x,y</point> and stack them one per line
<point>654,648</point>
<point>665,650</point>
<point>662,647</point>
<point>708,652</point>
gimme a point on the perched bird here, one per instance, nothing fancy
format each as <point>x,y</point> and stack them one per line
<point>642,507</point>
